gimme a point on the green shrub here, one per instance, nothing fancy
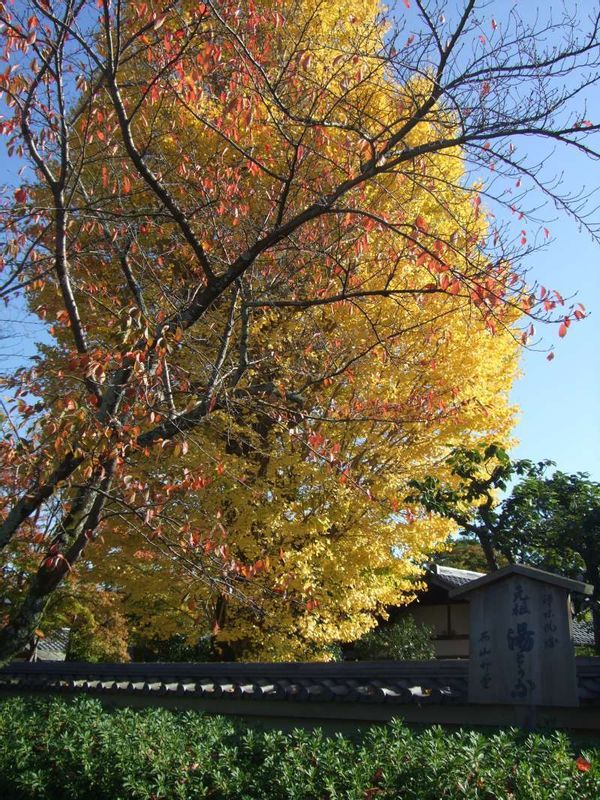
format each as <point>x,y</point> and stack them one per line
<point>73,749</point>
<point>405,640</point>
<point>175,648</point>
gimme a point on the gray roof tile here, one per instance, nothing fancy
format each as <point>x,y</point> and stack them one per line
<point>583,632</point>
<point>363,682</point>
<point>54,646</point>
<point>451,577</point>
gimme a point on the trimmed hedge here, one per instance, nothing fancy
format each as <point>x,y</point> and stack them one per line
<point>76,750</point>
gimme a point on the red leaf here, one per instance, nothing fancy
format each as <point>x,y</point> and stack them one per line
<point>562,331</point>
<point>20,195</point>
<point>305,60</point>
<point>406,3</point>
<point>550,357</point>
<point>582,764</point>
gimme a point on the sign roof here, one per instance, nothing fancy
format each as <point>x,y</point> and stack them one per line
<point>525,572</point>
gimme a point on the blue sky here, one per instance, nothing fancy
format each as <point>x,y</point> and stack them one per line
<point>559,400</point>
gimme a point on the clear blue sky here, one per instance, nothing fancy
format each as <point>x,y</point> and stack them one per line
<point>559,400</point>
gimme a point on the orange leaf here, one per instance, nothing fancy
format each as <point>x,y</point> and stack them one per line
<point>583,765</point>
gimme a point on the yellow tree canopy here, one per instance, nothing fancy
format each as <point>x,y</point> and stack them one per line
<point>272,303</point>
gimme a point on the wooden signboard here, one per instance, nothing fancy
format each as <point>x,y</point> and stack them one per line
<point>521,647</point>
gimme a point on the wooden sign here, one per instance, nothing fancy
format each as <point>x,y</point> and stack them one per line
<point>521,647</point>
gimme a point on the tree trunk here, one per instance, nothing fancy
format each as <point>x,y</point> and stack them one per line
<point>488,549</point>
<point>224,649</point>
<point>72,535</point>
<point>596,624</point>
<point>592,575</point>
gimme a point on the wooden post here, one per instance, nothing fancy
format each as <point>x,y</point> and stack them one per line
<point>521,646</point>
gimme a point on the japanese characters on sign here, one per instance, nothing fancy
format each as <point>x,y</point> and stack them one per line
<point>521,640</point>
<point>549,626</point>
<point>485,659</point>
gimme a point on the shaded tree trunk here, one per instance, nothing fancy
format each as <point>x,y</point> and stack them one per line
<point>485,541</point>
<point>592,575</point>
<point>596,624</point>
<point>72,535</point>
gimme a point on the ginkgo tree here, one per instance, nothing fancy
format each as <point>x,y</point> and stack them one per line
<point>258,234</point>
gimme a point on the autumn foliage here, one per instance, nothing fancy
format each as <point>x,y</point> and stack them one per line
<point>273,296</point>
